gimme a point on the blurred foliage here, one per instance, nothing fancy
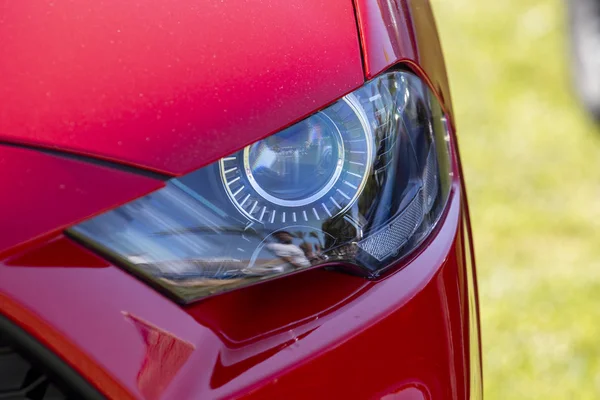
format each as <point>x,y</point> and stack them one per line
<point>532,165</point>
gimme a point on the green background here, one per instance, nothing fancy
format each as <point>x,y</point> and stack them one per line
<point>532,164</point>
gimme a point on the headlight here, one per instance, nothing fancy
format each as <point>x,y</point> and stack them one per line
<point>356,185</point>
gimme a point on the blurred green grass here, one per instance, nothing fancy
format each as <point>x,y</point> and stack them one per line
<point>532,165</point>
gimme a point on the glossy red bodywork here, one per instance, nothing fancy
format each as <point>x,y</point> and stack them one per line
<point>169,86</point>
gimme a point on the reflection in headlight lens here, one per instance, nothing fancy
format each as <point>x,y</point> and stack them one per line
<point>297,163</point>
<point>360,184</point>
<point>312,170</point>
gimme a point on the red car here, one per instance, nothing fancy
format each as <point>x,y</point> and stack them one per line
<point>227,199</point>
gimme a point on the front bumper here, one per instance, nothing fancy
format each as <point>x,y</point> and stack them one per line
<point>319,333</point>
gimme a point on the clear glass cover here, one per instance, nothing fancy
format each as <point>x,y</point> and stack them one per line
<point>356,186</point>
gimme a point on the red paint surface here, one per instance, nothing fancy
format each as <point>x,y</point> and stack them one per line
<point>321,332</point>
<point>43,194</point>
<point>165,355</point>
<point>386,34</point>
<point>169,85</point>
<point>55,251</point>
<point>403,31</point>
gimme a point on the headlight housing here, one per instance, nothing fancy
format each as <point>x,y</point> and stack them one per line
<point>356,185</point>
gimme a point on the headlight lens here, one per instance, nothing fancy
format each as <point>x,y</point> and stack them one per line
<point>358,184</point>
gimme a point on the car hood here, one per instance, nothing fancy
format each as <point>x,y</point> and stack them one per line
<point>169,85</point>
